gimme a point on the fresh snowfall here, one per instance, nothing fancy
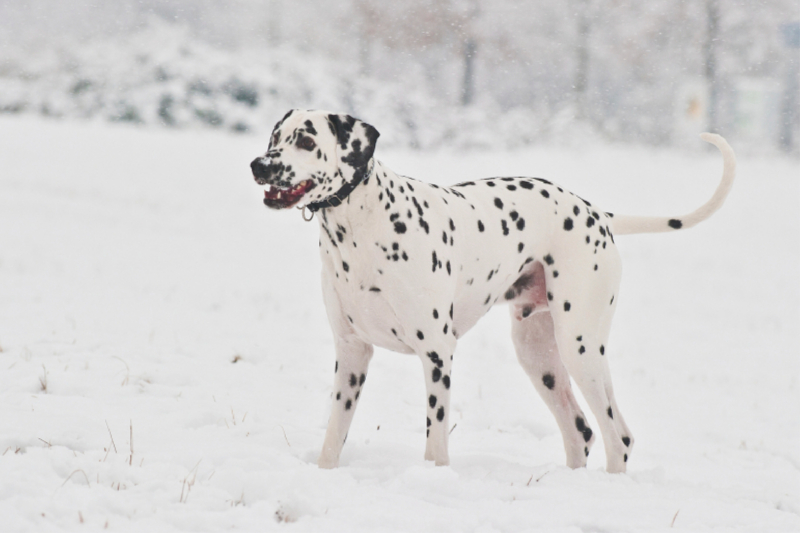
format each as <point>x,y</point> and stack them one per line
<point>166,362</point>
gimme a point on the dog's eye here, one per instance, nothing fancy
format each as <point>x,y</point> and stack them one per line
<point>306,143</point>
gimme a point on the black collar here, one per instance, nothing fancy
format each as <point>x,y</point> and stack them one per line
<point>337,198</point>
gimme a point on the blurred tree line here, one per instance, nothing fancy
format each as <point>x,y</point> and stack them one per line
<point>617,66</point>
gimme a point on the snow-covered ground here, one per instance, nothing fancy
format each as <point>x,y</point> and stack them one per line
<point>146,292</point>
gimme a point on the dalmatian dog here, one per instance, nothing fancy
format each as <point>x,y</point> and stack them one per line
<point>411,267</point>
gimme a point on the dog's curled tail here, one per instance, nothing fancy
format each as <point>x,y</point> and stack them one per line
<point>625,225</point>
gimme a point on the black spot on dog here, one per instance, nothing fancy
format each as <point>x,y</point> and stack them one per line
<point>626,441</point>
<point>353,380</point>
<point>548,259</point>
<point>446,382</point>
<point>440,414</point>
<point>610,412</point>
<point>567,306</point>
<point>549,381</point>
<point>674,223</point>
<point>432,401</point>
<point>583,428</point>
<point>399,227</point>
<point>348,405</point>
<point>498,203</point>
<point>420,336</point>
<point>436,375</point>
<point>567,224</point>
<point>424,225</point>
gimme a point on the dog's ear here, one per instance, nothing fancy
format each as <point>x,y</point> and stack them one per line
<point>356,142</point>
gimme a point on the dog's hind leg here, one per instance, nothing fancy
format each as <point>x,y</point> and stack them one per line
<point>582,351</point>
<point>582,305</point>
<point>537,351</point>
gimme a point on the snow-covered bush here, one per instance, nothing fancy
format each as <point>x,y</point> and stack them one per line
<point>164,76</point>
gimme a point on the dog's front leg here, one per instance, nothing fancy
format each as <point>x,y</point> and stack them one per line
<point>352,359</point>
<point>437,360</point>
<point>350,373</point>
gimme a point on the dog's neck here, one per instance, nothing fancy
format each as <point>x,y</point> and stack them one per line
<point>366,196</point>
<point>340,196</point>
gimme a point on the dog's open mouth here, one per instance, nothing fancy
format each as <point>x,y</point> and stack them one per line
<point>278,198</point>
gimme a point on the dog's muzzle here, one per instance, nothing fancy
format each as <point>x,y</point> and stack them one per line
<point>283,196</point>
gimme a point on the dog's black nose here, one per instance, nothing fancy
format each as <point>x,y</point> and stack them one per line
<point>259,168</point>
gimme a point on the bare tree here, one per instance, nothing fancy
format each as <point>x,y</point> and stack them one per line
<point>582,53</point>
<point>710,60</point>
<point>468,89</point>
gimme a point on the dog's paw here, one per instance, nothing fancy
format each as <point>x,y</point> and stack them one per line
<point>440,459</point>
<point>327,462</point>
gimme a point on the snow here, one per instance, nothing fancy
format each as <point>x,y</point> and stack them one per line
<point>146,291</point>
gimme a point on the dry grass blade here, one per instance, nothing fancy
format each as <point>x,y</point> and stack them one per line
<point>75,472</point>
<point>43,379</point>
<point>672,524</point>
<point>130,461</point>
<point>187,485</point>
<point>127,371</point>
<point>284,436</point>
<point>112,437</point>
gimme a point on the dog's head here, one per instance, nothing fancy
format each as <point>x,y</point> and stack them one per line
<point>311,156</point>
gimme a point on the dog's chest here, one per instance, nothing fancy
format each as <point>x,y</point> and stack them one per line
<point>356,268</point>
